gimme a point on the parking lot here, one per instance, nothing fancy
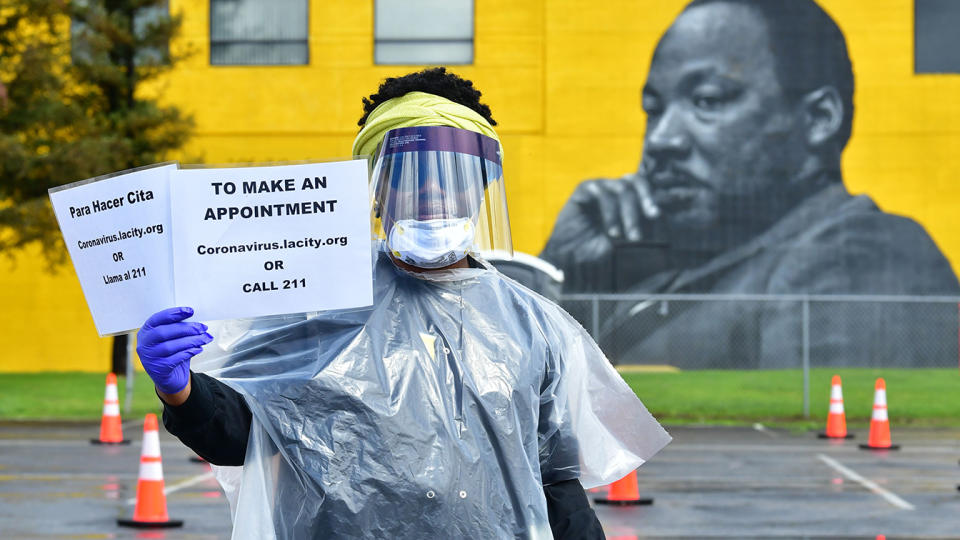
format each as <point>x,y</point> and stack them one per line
<point>722,482</point>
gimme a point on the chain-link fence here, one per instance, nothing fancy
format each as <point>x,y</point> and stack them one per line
<point>692,331</point>
<point>770,332</point>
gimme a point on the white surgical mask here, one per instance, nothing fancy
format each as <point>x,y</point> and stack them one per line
<point>433,243</point>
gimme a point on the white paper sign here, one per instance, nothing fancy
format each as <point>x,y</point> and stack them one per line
<point>117,230</point>
<point>257,241</point>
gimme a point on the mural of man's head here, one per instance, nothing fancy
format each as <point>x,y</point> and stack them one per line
<point>749,105</point>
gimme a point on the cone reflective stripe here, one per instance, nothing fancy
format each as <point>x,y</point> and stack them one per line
<point>151,508</point>
<point>880,403</point>
<point>836,396</point>
<point>151,468</point>
<point>880,421</point>
<point>110,430</point>
<point>624,492</point>
<point>836,418</point>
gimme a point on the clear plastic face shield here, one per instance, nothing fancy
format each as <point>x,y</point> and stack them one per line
<point>438,195</point>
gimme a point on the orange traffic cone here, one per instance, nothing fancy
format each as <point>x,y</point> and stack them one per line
<point>624,492</point>
<point>110,430</point>
<point>836,418</point>
<point>880,422</point>
<point>151,509</point>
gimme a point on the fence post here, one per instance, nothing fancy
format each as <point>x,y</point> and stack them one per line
<point>806,357</point>
<point>595,319</point>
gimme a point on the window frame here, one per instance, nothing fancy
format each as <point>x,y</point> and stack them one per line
<point>75,32</point>
<point>210,42</point>
<point>472,40</point>
<point>954,69</point>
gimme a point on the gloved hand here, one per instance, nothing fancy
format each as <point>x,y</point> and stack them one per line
<point>166,344</point>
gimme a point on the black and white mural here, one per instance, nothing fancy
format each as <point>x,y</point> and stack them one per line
<point>740,192</point>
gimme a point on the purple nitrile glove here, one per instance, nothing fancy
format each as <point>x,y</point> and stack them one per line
<point>166,344</point>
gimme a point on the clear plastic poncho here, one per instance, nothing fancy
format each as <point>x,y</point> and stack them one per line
<point>440,412</point>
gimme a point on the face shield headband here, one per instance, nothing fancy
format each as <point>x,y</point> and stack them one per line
<point>430,186</point>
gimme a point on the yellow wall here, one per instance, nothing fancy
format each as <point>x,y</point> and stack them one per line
<point>563,80</point>
<point>44,322</point>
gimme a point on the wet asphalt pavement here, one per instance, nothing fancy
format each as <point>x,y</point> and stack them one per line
<point>710,482</point>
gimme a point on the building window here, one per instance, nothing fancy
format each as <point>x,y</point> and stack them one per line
<point>81,50</point>
<point>937,43</point>
<point>423,32</point>
<point>254,32</point>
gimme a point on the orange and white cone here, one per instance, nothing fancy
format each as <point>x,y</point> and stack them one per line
<point>836,418</point>
<point>880,422</point>
<point>151,509</point>
<point>110,430</point>
<point>624,492</point>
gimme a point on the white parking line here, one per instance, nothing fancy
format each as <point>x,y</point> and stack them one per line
<point>887,495</point>
<point>763,429</point>
<point>180,485</point>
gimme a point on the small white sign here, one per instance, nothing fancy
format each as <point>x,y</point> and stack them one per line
<point>256,241</point>
<point>117,231</point>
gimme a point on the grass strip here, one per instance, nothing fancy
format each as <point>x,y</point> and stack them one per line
<point>69,396</point>
<point>919,397</point>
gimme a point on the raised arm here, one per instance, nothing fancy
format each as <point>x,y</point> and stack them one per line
<point>206,415</point>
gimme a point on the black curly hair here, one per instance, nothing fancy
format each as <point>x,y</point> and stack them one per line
<point>436,81</point>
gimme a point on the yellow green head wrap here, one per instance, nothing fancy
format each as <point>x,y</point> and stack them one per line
<point>417,109</point>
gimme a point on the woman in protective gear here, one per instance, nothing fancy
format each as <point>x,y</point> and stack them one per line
<point>460,405</point>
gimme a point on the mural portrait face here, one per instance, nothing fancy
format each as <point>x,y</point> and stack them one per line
<point>721,139</point>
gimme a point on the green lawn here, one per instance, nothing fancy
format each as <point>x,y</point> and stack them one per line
<point>922,397</point>
<point>69,396</point>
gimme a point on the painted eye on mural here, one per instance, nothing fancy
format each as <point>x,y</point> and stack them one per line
<point>709,100</point>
